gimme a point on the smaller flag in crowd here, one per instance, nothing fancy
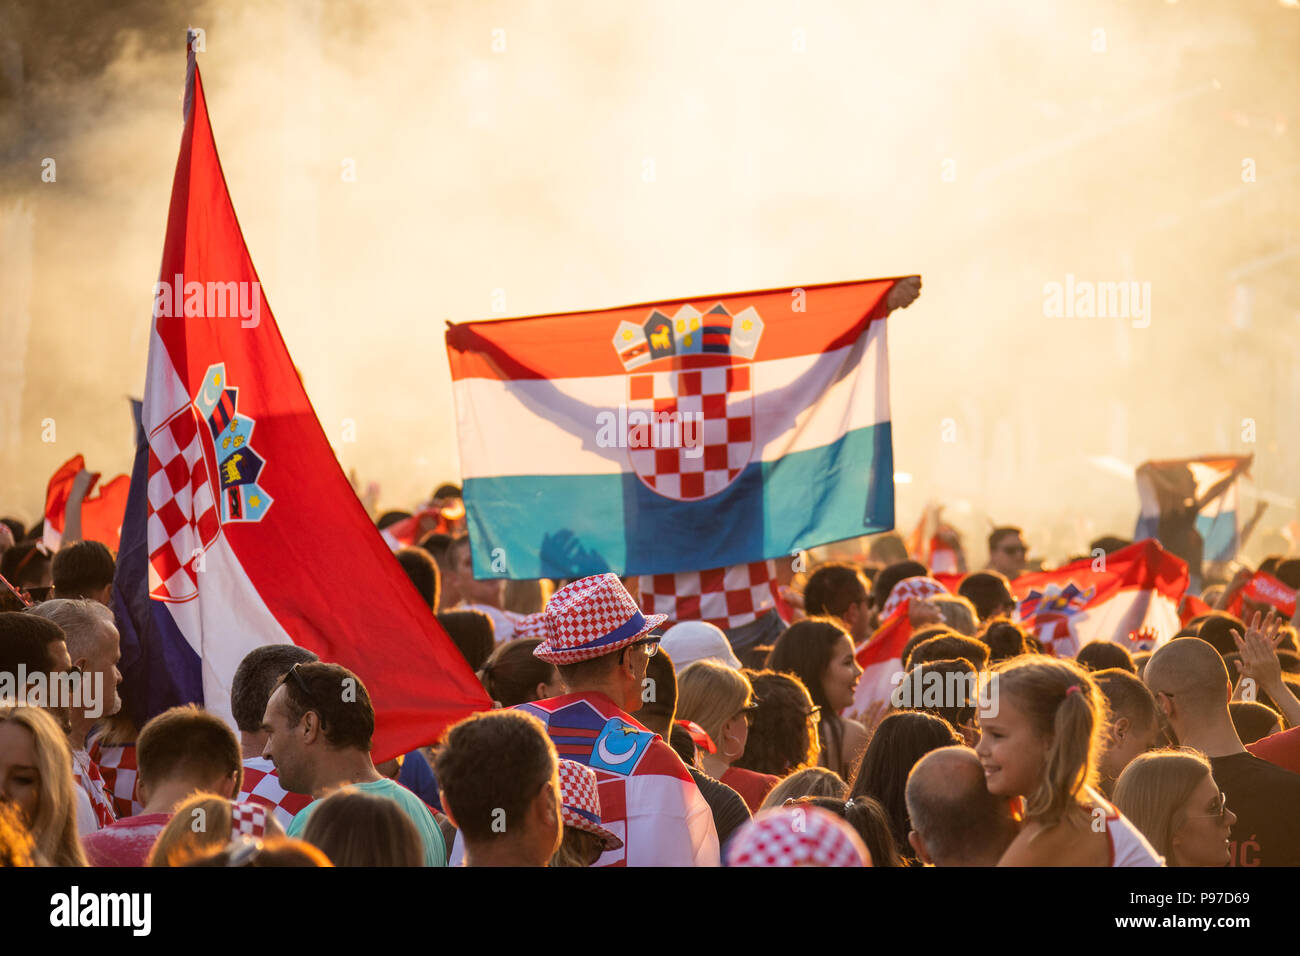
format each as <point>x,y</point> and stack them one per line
<point>1106,598</point>
<point>1264,590</point>
<point>101,513</point>
<point>1190,498</point>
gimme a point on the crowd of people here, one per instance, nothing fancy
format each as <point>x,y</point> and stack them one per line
<point>619,737</point>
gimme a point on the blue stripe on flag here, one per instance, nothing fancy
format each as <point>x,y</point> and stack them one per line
<point>1220,535</point>
<point>576,525</point>
<point>156,660</point>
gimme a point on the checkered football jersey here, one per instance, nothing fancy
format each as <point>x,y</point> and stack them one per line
<point>727,597</point>
<point>117,766</point>
<point>262,785</point>
<point>88,778</point>
<point>647,797</point>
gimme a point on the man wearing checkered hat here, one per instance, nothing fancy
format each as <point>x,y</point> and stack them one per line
<point>600,643</point>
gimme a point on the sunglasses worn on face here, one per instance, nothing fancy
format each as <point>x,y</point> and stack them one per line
<point>1219,811</point>
<point>36,595</point>
<point>651,645</point>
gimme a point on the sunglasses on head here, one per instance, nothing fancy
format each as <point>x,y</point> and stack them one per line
<point>301,684</point>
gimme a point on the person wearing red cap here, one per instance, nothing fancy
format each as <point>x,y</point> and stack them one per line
<point>600,643</point>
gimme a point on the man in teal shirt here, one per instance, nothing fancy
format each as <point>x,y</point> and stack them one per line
<point>319,723</point>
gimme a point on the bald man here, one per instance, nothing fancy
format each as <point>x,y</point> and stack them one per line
<point>955,820</point>
<point>1191,687</point>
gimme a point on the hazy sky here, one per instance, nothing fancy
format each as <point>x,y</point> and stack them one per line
<point>576,155</point>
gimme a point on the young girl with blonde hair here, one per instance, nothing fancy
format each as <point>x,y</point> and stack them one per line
<point>1041,721</point>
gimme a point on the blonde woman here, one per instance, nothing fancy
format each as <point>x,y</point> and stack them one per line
<point>721,700</point>
<point>207,820</point>
<point>1171,796</point>
<point>809,782</point>
<point>36,775</point>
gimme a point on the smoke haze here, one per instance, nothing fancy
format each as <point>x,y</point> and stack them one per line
<point>520,158</point>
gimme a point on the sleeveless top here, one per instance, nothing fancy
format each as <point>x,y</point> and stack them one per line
<point>1128,847</point>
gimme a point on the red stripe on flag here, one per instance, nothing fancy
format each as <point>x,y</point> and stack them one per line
<point>578,344</point>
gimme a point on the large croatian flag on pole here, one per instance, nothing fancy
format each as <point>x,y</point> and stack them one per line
<point>241,529</point>
<point>676,436</point>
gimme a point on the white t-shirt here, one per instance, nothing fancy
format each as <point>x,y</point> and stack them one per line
<point>86,821</point>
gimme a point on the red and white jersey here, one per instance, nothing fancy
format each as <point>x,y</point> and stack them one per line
<point>117,766</point>
<point>647,797</point>
<point>88,778</point>
<point>262,785</point>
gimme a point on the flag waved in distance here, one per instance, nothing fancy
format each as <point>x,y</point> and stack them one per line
<point>101,512</point>
<point>1190,505</point>
<point>241,528</point>
<point>1110,597</point>
<point>674,436</point>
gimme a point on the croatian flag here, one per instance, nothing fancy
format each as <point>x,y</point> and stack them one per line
<point>676,436</point>
<point>1107,598</point>
<point>1173,490</point>
<point>881,659</point>
<point>241,529</point>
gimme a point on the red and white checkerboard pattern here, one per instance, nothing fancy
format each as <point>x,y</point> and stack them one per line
<point>248,819</point>
<point>797,836</point>
<point>262,785</point>
<point>86,775</point>
<point>726,597</point>
<point>578,793</point>
<point>118,769</point>
<point>182,513</point>
<point>724,442</point>
<point>585,611</point>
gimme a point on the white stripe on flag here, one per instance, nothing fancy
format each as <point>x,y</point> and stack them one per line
<point>800,403</point>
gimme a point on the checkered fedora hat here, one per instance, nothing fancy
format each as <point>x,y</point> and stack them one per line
<point>581,802</point>
<point>591,618</point>
<point>908,588</point>
<point>797,836</point>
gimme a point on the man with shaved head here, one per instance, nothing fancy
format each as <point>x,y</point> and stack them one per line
<point>955,820</point>
<point>1191,686</point>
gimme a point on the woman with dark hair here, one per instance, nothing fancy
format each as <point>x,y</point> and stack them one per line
<point>902,738</point>
<point>1005,639</point>
<point>783,729</point>
<point>819,652</point>
<point>362,829</point>
<point>512,675</point>
<point>868,817</point>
